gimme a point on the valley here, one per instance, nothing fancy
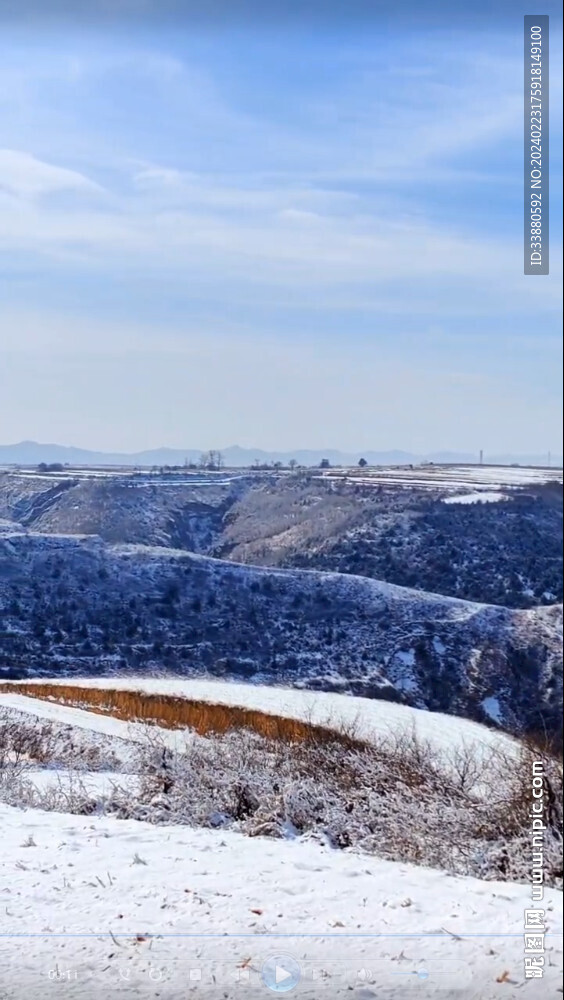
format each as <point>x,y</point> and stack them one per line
<point>382,583</point>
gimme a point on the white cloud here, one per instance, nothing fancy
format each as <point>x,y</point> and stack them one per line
<point>25,176</point>
<point>302,243</point>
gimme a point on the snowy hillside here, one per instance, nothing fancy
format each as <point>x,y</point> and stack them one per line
<point>348,769</point>
<point>263,859</point>
<point>172,912</point>
<point>432,528</point>
<point>369,719</point>
<point>183,513</point>
<point>77,605</point>
<point>507,552</point>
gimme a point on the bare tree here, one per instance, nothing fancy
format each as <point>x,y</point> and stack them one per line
<point>211,460</point>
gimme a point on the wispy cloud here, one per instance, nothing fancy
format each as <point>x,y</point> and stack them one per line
<point>25,176</point>
<point>286,238</point>
<point>278,200</point>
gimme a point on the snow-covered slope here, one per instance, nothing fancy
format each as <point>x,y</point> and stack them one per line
<point>125,906</point>
<point>77,605</point>
<point>368,718</point>
<point>452,477</point>
<point>103,725</point>
<point>387,524</point>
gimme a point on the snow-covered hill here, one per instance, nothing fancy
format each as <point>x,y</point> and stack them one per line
<point>386,524</point>
<point>95,905</point>
<point>77,605</point>
<point>370,720</point>
<point>417,533</point>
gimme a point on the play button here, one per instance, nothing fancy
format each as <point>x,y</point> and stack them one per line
<point>280,973</point>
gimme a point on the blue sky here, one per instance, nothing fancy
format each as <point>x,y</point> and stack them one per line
<point>299,234</point>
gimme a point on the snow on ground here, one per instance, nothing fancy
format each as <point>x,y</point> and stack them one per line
<point>92,782</point>
<point>447,477</point>
<point>483,497</point>
<point>370,718</point>
<point>132,732</point>
<point>492,708</point>
<point>173,912</point>
<point>134,479</point>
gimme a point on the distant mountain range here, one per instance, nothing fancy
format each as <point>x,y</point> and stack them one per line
<point>32,453</point>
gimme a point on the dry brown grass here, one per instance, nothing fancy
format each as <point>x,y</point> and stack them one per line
<point>184,713</point>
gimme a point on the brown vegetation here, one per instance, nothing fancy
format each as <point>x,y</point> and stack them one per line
<point>182,713</point>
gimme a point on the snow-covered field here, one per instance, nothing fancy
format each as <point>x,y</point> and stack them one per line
<point>139,477</point>
<point>449,477</point>
<point>368,718</point>
<point>106,905</point>
<point>484,497</point>
<point>444,477</point>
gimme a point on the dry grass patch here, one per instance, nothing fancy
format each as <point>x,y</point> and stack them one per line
<point>173,712</point>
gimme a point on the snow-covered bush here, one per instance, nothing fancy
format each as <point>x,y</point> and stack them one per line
<point>397,799</point>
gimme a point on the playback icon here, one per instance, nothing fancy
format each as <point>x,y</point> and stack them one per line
<point>280,973</point>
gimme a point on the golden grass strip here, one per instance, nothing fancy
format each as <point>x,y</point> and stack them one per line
<point>174,712</point>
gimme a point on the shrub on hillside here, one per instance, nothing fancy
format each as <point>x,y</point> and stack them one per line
<point>399,799</point>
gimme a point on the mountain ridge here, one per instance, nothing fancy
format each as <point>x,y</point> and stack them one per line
<point>33,453</point>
